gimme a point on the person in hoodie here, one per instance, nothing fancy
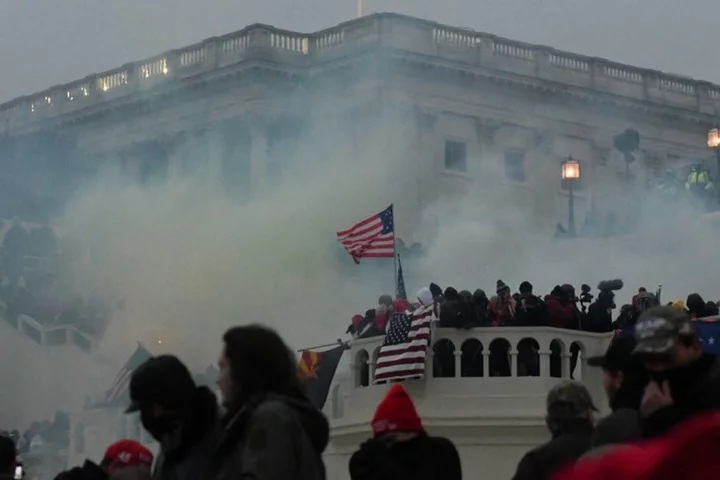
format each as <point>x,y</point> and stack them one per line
<point>271,431</point>
<point>181,416</point>
<point>624,379</point>
<point>685,380</point>
<point>8,458</point>
<point>451,311</point>
<point>562,311</point>
<point>481,315</point>
<point>696,306</point>
<point>570,421</point>
<point>530,310</point>
<point>400,448</point>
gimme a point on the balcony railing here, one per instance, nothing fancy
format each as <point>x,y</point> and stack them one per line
<point>400,33</point>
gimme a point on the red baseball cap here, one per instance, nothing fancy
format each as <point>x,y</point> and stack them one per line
<point>128,453</point>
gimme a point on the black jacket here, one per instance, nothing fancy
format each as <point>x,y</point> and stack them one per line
<point>89,471</point>
<point>624,424</point>
<point>567,445</point>
<point>185,455</point>
<point>272,437</point>
<point>695,388</point>
<point>421,458</point>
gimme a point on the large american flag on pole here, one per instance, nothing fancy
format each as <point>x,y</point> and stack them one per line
<point>404,350</point>
<point>374,237</point>
<point>118,394</point>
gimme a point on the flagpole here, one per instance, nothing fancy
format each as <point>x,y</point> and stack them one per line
<point>395,254</point>
<point>334,344</point>
<point>359,8</point>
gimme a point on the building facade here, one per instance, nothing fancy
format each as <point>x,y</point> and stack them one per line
<point>475,108</point>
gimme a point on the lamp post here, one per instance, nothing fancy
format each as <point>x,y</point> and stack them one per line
<point>571,174</point>
<point>713,141</point>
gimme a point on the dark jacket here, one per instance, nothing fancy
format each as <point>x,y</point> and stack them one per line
<point>184,456</point>
<point>624,424</point>
<point>566,446</point>
<point>421,458</point>
<point>695,388</point>
<point>89,471</point>
<point>272,437</point>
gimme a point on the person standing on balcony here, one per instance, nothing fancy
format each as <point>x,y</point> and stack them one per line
<point>624,379</point>
<point>400,448</point>
<point>684,380</point>
<point>570,421</point>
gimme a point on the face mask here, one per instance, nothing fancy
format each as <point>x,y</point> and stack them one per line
<point>158,427</point>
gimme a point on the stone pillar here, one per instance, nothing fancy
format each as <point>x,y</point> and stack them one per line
<point>258,155</point>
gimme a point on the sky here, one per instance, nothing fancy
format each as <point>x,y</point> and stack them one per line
<point>48,42</point>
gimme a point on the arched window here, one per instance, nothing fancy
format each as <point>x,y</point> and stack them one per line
<point>362,372</point>
<point>472,361</point>
<point>557,350</point>
<point>528,358</point>
<point>444,359</point>
<point>500,358</point>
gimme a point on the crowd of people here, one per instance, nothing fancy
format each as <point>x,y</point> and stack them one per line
<point>33,280</point>
<point>662,388</point>
<point>561,308</point>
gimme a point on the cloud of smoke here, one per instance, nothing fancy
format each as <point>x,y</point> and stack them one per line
<point>191,262</point>
<point>489,235</point>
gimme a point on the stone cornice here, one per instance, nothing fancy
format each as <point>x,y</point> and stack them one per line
<point>292,55</point>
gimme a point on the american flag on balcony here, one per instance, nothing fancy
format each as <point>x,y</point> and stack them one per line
<point>404,349</point>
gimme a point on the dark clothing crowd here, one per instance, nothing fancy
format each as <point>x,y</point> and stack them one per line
<point>660,386</point>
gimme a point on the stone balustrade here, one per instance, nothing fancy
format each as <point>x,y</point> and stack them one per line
<point>474,388</point>
<point>53,335</point>
<point>395,34</point>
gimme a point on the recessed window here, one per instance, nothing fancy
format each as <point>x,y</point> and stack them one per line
<point>455,156</point>
<point>515,166</point>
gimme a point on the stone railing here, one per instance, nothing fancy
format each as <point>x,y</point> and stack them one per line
<point>486,372</point>
<point>53,335</point>
<point>394,32</point>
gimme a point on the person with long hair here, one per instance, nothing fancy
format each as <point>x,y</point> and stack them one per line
<point>271,431</point>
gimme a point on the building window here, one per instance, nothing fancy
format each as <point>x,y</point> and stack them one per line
<point>515,166</point>
<point>455,156</point>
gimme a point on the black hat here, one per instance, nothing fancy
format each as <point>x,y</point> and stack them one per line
<point>619,356</point>
<point>164,380</point>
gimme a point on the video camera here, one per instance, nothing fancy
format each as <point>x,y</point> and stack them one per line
<point>607,287</point>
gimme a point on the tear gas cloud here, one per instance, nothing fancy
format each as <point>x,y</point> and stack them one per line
<point>190,262</point>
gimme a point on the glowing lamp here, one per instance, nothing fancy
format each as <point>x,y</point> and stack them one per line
<point>713,138</point>
<point>571,169</point>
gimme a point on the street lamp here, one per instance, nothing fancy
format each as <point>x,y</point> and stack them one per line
<point>713,141</point>
<point>570,175</point>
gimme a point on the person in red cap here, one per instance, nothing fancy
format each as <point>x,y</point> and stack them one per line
<point>127,453</point>
<point>688,451</point>
<point>400,447</point>
<point>123,460</point>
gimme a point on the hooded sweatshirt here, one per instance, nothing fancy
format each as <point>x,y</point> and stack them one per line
<point>419,458</point>
<point>273,437</point>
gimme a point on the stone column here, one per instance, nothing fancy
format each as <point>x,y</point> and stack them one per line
<point>258,154</point>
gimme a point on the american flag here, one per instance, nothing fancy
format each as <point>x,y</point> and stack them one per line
<point>374,237</point>
<point>404,349</point>
<point>118,395</point>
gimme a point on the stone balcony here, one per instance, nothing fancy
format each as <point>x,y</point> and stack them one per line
<point>400,37</point>
<point>479,397</point>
